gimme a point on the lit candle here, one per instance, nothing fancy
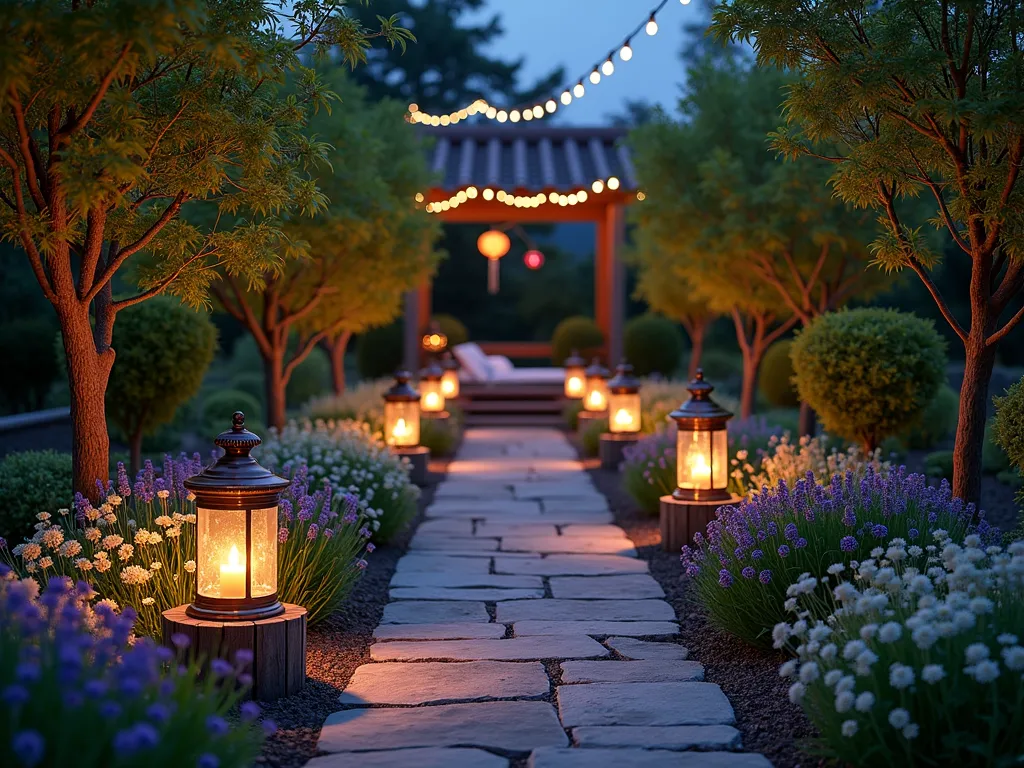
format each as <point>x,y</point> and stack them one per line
<point>430,400</point>
<point>575,385</point>
<point>596,400</point>
<point>400,430</point>
<point>448,387</point>
<point>232,575</point>
<point>623,418</point>
<point>700,471</point>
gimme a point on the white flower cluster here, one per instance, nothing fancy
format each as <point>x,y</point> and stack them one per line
<point>908,619</point>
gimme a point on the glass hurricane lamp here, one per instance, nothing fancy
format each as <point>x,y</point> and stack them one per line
<point>624,401</point>
<point>702,445</point>
<point>402,413</point>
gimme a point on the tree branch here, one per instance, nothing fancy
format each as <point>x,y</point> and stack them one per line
<point>97,97</point>
<point>34,258</point>
<point>25,145</point>
<point>996,337</point>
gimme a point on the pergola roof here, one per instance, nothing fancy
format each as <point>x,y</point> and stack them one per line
<point>529,158</point>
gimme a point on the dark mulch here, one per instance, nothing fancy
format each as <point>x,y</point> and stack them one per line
<point>767,721</point>
<point>335,647</point>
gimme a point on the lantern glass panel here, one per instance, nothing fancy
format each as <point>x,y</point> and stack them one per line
<point>597,394</point>
<point>624,412</point>
<point>575,382</point>
<point>402,424</point>
<point>220,553</point>
<point>431,396</point>
<point>450,384</point>
<point>264,552</point>
<point>702,460</point>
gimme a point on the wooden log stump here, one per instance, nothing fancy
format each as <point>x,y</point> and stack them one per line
<point>680,520</point>
<point>419,463</point>
<point>278,646</point>
<point>611,448</point>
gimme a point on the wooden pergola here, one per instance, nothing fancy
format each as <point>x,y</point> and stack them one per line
<point>528,163</point>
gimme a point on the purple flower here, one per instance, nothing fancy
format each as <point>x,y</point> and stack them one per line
<point>800,543</point>
<point>158,712</point>
<point>269,727</point>
<point>14,695</point>
<point>208,760</point>
<point>135,738</point>
<point>124,488</point>
<point>250,710</point>
<point>880,531</point>
<point>757,554</point>
<point>109,710</point>
<point>765,576</point>
<point>282,535</point>
<point>748,572</point>
<point>361,564</point>
<point>3,543</point>
<point>849,517</point>
<point>349,518</point>
<point>724,578</point>
<point>217,725</point>
<point>772,528</point>
<point>311,534</point>
<point>783,551</point>
<point>328,533</point>
<point>243,657</point>
<point>180,640</point>
<point>848,544</point>
<point>365,532</point>
<point>350,503</point>
<point>29,747</point>
<point>790,531</point>
<point>913,533</point>
<point>370,547</point>
<point>221,668</point>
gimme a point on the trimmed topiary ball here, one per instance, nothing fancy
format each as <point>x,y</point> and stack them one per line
<point>775,376</point>
<point>220,404</point>
<point>576,333</point>
<point>653,344</point>
<point>311,377</point>
<point>937,422</point>
<point>1007,427</point>
<point>868,373</point>
<point>251,382</point>
<point>379,351</point>
<point>32,482</point>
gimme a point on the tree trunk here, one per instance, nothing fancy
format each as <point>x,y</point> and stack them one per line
<point>337,350</point>
<point>273,375</point>
<point>808,424</point>
<point>135,452</point>
<point>88,372</point>
<point>751,362</point>
<point>970,428</point>
<point>696,348</point>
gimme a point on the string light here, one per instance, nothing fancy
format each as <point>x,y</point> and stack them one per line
<point>489,194</point>
<point>544,107</point>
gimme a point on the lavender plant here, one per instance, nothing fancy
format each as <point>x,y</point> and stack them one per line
<point>75,691</point>
<point>913,657</point>
<point>753,551</point>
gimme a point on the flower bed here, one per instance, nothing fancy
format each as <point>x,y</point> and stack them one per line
<point>914,657</point>
<point>753,551</point>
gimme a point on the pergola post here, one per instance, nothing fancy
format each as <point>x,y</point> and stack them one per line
<point>411,331</point>
<point>609,298</point>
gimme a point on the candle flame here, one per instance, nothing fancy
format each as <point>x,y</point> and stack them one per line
<point>699,468</point>
<point>431,400</point>
<point>595,399</point>
<point>623,418</point>
<point>233,557</point>
<point>401,429</point>
<point>575,384</point>
<point>447,387</point>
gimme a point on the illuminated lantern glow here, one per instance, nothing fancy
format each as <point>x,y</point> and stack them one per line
<point>595,394</point>
<point>702,445</point>
<point>431,394</point>
<point>449,377</point>
<point>533,259</point>
<point>402,413</point>
<point>624,401</point>
<point>493,244</point>
<point>575,376</point>
<point>236,532</point>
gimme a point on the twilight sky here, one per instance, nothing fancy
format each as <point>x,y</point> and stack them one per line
<point>579,34</point>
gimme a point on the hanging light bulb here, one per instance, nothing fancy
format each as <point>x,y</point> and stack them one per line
<point>608,67</point>
<point>652,26</point>
<point>514,115</point>
<point>613,183</point>
<point>502,116</point>
<point>492,113</point>
<point>551,106</point>
<point>566,98</point>
<point>578,90</point>
<point>626,53</point>
<point>538,111</point>
<point>684,2</point>
<point>595,77</point>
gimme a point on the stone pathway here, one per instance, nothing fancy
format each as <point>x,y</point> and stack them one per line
<point>523,626</point>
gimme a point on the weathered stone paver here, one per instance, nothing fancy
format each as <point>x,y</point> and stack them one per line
<point>518,562</point>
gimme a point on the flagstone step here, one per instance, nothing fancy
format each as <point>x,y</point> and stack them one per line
<point>510,649</point>
<point>643,704</point>
<point>444,631</point>
<point>567,565</point>
<point>596,627</point>
<point>424,757</point>
<point>442,683</point>
<point>658,737</point>
<point>642,758</point>
<point>630,672</point>
<point>584,610</point>
<point>634,585</point>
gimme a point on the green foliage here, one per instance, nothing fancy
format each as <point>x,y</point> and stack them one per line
<point>649,470</point>
<point>310,378</point>
<point>775,376</point>
<point>29,341</point>
<point>163,351</point>
<point>652,344</point>
<point>252,383</point>
<point>32,482</point>
<point>721,366</point>
<point>1008,424</point>
<point>590,437</point>
<point>579,333</point>
<point>363,402</point>
<point>993,458</point>
<point>571,413</point>
<point>379,351</point>
<point>937,423</point>
<point>220,404</point>
<point>440,437</point>
<point>939,464</point>
<point>453,328</point>
<point>868,373</point>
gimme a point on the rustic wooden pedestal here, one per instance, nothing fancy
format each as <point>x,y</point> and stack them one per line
<point>278,646</point>
<point>611,448</point>
<point>586,417</point>
<point>419,459</point>
<point>441,417</point>
<point>680,520</point>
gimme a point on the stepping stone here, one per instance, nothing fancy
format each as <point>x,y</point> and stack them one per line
<point>472,489</point>
<point>568,544</point>
<point>512,649</point>
<point>630,672</point>
<point>425,757</point>
<point>568,565</point>
<point>441,683</point>
<point>576,514</point>
<point>597,627</point>
<point>433,563</point>
<point>486,594</point>
<point>585,610</point>
<point>448,631</point>
<point>464,544</point>
<point>642,704</point>
<point>499,529</point>
<point>434,612</point>
<point>406,579</point>
<point>655,737</point>
<point>548,757</point>
<point>511,726</point>
<point>446,526</point>
<point>639,649</point>
<point>469,508</point>
<point>593,531</point>
<point>635,585</point>
<point>558,489</point>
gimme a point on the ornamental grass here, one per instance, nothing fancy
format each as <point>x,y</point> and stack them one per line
<point>914,656</point>
<point>76,690</point>
<point>353,460</point>
<point>753,551</point>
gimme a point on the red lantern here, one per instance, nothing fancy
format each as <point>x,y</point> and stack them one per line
<point>533,259</point>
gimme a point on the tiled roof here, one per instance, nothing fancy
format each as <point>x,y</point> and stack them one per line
<point>529,158</point>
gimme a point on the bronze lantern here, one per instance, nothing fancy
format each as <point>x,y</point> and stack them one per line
<point>595,397</point>
<point>449,377</point>
<point>624,401</point>
<point>431,394</point>
<point>402,413</point>
<point>575,376</point>
<point>702,445</point>
<point>236,532</point>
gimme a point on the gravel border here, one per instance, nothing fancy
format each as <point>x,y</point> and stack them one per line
<point>769,724</point>
<point>335,647</point>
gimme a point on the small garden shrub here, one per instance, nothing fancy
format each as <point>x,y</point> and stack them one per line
<point>755,550</point>
<point>786,461</point>
<point>653,344</point>
<point>571,412</point>
<point>32,482</point>
<point>775,376</point>
<point>77,692</point>
<point>1007,428</point>
<point>937,423</point>
<point>220,404</point>
<point>363,402</point>
<point>453,328</point>
<point>722,367</point>
<point>379,351</point>
<point>915,658</point>
<point>993,458</point>
<point>352,459</point>
<point>579,333</point>
<point>590,438</point>
<point>310,378</point>
<point>440,437</point>
<point>939,464</point>
<point>868,373</point>
<point>252,383</point>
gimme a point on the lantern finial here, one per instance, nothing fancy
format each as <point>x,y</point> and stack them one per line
<point>238,440</point>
